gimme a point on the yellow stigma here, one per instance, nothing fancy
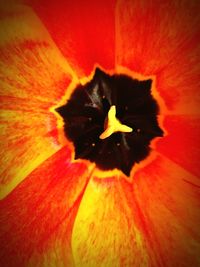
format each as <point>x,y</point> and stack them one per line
<point>113,125</point>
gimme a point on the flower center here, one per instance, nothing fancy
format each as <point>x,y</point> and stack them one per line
<point>111,120</point>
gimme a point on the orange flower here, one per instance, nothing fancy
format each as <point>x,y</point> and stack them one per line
<point>59,212</point>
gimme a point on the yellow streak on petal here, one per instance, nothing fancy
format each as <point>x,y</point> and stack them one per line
<point>23,145</point>
<point>105,232</point>
<point>43,63</point>
<point>32,69</point>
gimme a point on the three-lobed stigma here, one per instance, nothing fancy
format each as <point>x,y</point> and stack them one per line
<point>113,125</point>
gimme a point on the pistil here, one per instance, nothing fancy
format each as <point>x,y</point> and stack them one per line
<point>113,125</point>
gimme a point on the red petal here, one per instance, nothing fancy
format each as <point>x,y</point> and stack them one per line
<point>162,39</point>
<point>39,213</point>
<point>84,32</point>
<point>182,141</point>
<point>168,203</point>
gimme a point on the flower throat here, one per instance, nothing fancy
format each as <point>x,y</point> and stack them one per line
<point>111,120</point>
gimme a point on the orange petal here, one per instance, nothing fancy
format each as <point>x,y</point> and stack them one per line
<point>36,218</point>
<point>33,77</point>
<point>181,144</point>
<point>168,202</point>
<point>27,139</point>
<point>162,39</point>
<point>84,32</point>
<point>105,232</point>
<point>31,65</point>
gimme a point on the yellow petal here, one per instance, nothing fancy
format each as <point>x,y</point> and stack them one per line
<point>105,232</point>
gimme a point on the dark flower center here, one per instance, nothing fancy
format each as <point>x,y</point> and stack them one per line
<point>95,112</point>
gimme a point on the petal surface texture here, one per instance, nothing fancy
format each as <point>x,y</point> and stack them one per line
<point>37,217</point>
<point>83,31</point>
<point>150,42</point>
<point>168,203</point>
<point>105,232</point>
<point>33,76</point>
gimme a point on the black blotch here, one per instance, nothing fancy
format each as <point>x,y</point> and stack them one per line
<point>85,112</point>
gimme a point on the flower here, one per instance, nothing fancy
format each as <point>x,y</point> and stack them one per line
<point>59,212</point>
